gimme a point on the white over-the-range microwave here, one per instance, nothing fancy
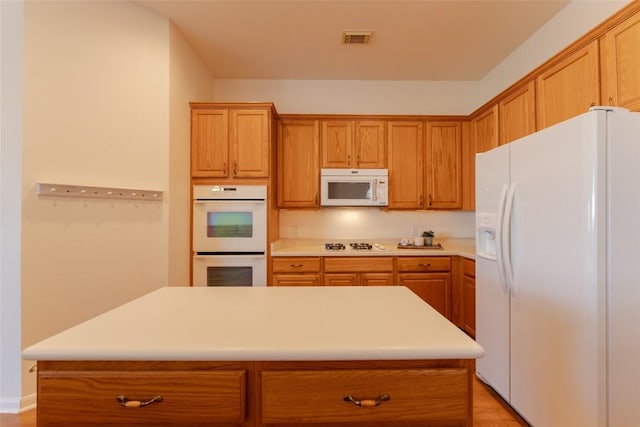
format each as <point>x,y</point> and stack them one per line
<point>354,187</point>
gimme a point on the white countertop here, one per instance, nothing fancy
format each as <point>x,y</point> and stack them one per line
<point>272,323</point>
<point>315,247</point>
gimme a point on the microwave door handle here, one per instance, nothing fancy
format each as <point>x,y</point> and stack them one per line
<point>374,190</point>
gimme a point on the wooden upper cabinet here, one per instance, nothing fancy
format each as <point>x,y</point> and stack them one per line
<point>298,164</point>
<point>230,142</point>
<point>484,129</point>
<point>620,55</point>
<point>354,144</point>
<point>405,165</point>
<point>249,136</point>
<point>337,144</point>
<point>569,88</point>
<point>517,113</point>
<point>209,142</point>
<point>443,183</point>
<point>370,144</point>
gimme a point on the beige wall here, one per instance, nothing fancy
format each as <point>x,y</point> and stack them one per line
<point>423,97</point>
<point>102,83</point>
<point>189,81</point>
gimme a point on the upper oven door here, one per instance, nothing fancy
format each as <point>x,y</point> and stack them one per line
<point>230,226</point>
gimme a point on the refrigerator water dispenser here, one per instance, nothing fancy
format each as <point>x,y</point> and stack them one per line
<point>486,235</point>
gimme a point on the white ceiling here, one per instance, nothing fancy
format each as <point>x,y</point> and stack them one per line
<point>301,39</point>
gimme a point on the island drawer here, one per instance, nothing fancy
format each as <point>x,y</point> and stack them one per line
<point>414,395</point>
<point>296,265</point>
<point>186,397</point>
<point>432,263</point>
<point>358,265</point>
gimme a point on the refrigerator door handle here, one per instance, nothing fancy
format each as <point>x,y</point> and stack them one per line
<point>499,240</point>
<point>506,239</point>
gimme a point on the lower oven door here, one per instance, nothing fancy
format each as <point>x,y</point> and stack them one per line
<point>229,270</point>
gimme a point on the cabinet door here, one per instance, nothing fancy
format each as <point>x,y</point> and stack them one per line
<point>485,130</point>
<point>370,144</point>
<point>434,288</point>
<point>341,279</point>
<point>298,164</point>
<point>377,279</point>
<point>405,165</point>
<point>569,88</point>
<point>621,65</point>
<point>249,132</point>
<point>443,165</point>
<point>209,142</point>
<point>337,144</point>
<point>469,305</point>
<point>517,113</point>
<point>296,280</point>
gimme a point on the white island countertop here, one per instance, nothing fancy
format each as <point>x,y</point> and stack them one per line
<point>272,323</point>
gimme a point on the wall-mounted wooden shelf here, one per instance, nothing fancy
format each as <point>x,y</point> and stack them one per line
<point>85,191</point>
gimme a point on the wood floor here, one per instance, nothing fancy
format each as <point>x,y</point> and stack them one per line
<point>488,411</point>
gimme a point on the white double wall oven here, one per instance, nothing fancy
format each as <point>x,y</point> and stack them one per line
<point>229,235</point>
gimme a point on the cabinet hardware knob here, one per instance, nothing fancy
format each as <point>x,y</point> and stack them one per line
<point>124,401</point>
<point>430,200</point>
<point>610,99</point>
<point>235,169</point>
<point>367,403</point>
<point>424,265</point>
<point>296,265</point>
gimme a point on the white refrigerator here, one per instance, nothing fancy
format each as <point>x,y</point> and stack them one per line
<point>558,271</point>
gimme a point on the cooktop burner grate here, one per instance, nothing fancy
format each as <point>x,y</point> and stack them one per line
<point>334,246</point>
<point>360,245</point>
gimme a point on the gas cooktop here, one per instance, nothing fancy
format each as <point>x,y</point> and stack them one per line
<point>359,246</point>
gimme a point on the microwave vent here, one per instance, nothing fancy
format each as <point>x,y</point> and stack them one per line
<point>356,37</point>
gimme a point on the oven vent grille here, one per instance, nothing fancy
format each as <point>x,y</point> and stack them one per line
<point>356,37</point>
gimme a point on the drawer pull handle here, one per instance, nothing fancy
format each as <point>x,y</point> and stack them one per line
<point>124,401</point>
<point>296,265</point>
<point>424,265</point>
<point>367,403</point>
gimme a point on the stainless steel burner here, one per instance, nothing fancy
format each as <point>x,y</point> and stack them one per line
<point>360,245</point>
<point>334,246</point>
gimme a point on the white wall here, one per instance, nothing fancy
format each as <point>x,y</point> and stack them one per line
<point>11,46</point>
<point>353,97</point>
<point>96,112</point>
<point>189,81</point>
<point>573,21</point>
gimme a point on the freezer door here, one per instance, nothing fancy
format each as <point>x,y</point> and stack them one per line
<point>624,259</point>
<point>557,297</point>
<point>492,297</point>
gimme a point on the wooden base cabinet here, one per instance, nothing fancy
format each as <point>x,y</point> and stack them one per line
<point>296,271</point>
<point>363,393</point>
<point>366,271</point>
<point>429,278</point>
<point>469,296</point>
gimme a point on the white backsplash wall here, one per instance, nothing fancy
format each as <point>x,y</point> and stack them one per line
<point>373,223</point>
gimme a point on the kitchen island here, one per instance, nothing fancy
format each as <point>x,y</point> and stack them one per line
<point>331,356</point>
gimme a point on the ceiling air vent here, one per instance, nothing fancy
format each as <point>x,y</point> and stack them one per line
<point>356,37</point>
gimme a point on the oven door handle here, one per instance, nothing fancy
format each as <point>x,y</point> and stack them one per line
<point>227,202</point>
<point>227,256</point>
